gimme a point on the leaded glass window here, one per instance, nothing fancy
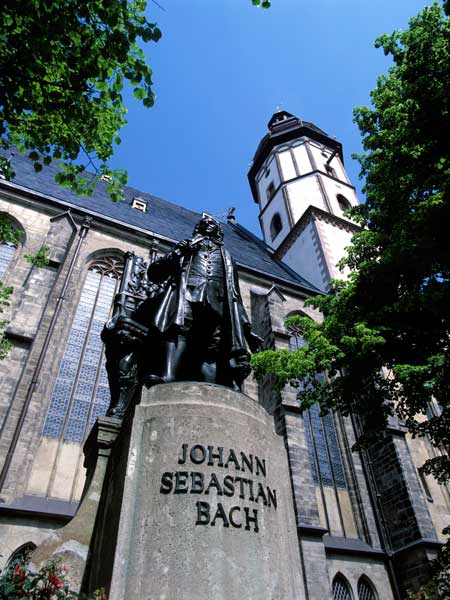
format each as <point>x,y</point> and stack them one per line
<point>365,590</point>
<point>320,433</point>
<point>6,253</point>
<point>81,391</point>
<point>321,427</point>
<point>341,590</point>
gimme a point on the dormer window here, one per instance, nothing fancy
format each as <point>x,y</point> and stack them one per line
<point>270,192</point>
<point>139,204</point>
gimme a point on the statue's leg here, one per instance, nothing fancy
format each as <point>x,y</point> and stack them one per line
<point>172,354</point>
<point>208,367</point>
<point>175,351</point>
<point>208,372</point>
<point>125,382</point>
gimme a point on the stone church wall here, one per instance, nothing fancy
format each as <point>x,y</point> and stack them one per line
<point>45,477</point>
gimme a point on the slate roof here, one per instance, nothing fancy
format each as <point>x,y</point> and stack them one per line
<point>162,218</point>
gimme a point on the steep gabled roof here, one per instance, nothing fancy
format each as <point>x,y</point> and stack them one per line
<point>162,218</point>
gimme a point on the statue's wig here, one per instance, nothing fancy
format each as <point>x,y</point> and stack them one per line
<point>219,227</point>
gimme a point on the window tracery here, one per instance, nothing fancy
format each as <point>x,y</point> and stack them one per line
<point>341,590</point>
<point>7,250</point>
<point>366,589</point>
<point>81,391</point>
<point>321,437</point>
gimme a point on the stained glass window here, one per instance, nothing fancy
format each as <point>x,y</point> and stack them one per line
<point>81,391</point>
<point>340,589</point>
<point>365,590</point>
<point>6,253</point>
<point>320,431</point>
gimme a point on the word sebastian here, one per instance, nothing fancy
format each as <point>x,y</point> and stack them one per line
<point>244,488</point>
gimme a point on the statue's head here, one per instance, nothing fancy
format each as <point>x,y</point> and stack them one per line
<point>209,227</point>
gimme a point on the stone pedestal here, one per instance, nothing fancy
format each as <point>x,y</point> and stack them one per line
<point>197,503</point>
<point>71,543</point>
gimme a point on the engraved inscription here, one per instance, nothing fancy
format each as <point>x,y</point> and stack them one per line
<point>229,484</point>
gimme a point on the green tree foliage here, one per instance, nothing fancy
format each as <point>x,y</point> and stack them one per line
<point>41,258</point>
<point>8,233</point>
<point>5,345</point>
<point>384,340</point>
<point>64,64</point>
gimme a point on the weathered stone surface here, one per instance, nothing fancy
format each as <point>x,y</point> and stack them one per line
<point>71,542</point>
<point>167,545</point>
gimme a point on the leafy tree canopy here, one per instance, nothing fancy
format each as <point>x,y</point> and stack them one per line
<point>384,340</point>
<point>63,72</point>
<point>64,65</point>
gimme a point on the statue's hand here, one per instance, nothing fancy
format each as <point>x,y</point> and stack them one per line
<point>240,366</point>
<point>183,248</point>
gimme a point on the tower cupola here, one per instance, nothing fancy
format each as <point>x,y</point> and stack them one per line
<point>298,173</point>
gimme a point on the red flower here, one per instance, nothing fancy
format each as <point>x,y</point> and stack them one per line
<point>19,572</point>
<point>55,581</point>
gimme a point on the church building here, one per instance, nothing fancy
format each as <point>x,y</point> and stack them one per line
<point>368,522</point>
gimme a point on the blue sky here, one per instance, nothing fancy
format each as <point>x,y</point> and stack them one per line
<point>221,69</point>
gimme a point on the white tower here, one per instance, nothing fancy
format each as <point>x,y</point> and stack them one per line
<point>299,181</point>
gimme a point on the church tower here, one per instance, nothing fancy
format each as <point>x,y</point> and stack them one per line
<point>299,181</point>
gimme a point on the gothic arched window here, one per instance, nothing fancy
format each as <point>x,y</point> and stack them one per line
<point>321,437</point>
<point>10,236</point>
<point>7,250</point>
<point>21,554</point>
<point>366,590</point>
<point>81,391</point>
<point>341,589</point>
<point>275,226</point>
<point>344,204</point>
<point>321,433</point>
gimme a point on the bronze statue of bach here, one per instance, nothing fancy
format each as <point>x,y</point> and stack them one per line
<point>194,327</point>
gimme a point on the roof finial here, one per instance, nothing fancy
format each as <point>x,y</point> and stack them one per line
<point>230,216</point>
